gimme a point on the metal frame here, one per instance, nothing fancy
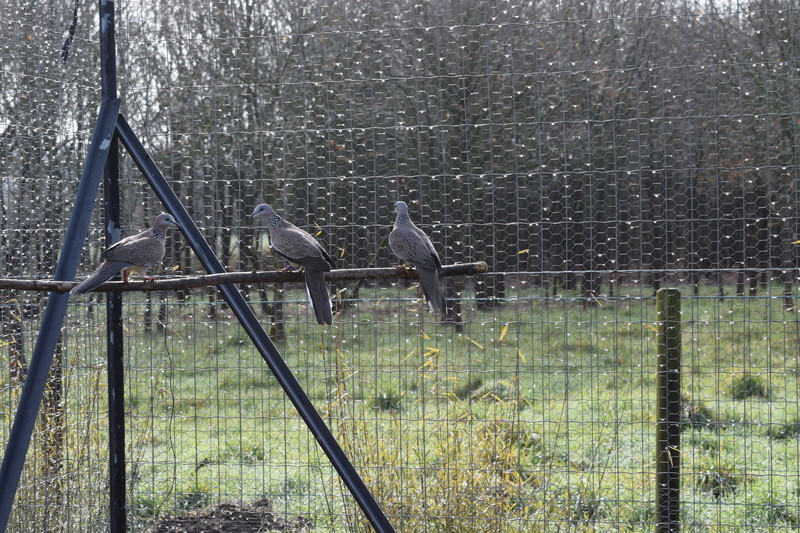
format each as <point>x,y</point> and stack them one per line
<point>50,329</point>
<point>103,160</point>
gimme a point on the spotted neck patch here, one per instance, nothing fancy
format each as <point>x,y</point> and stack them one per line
<point>275,221</point>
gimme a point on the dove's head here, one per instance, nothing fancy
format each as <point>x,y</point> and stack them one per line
<point>263,211</point>
<point>266,212</point>
<point>400,208</point>
<point>165,221</point>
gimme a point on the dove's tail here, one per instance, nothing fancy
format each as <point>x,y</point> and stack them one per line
<point>104,272</point>
<point>429,280</point>
<point>318,296</point>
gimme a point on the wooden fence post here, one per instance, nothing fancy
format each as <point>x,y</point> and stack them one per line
<point>668,425</point>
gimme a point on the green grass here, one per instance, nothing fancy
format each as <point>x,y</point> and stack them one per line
<point>538,416</point>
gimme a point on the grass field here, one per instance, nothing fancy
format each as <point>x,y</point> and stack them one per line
<point>538,416</point>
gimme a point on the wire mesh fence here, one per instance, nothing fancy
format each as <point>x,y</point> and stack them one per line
<point>588,153</point>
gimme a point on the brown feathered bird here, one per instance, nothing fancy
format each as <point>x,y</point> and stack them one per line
<point>301,249</point>
<point>411,245</point>
<point>136,253</point>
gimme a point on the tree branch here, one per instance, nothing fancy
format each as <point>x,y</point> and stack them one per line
<point>279,276</point>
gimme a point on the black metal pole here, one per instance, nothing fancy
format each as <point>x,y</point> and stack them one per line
<point>114,331</point>
<point>668,424</point>
<point>257,334</point>
<point>20,437</point>
<point>108,50</point>
<point>115,349</point>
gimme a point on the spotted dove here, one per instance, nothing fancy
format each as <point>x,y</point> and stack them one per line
<point>301,249</point>
<point>135,253</point>
<point>411,245</point>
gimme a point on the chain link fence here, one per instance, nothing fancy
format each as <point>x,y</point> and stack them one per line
<point>589,153</point>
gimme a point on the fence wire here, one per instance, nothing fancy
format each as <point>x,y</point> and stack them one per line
<point>589,153</point>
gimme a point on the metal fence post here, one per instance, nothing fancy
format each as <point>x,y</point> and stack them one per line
<point>668,425</point>
<point>114,327</point>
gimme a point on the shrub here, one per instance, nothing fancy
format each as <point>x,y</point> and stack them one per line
<point>749,386</point>
<point>694,414</point>
<point>784,431</point>
<point>387,401</point>
<point>719,482</point>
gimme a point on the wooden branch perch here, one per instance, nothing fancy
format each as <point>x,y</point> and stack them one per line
<point>279,276</point>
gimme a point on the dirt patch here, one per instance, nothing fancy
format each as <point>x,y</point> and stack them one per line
<point>231,517</point>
